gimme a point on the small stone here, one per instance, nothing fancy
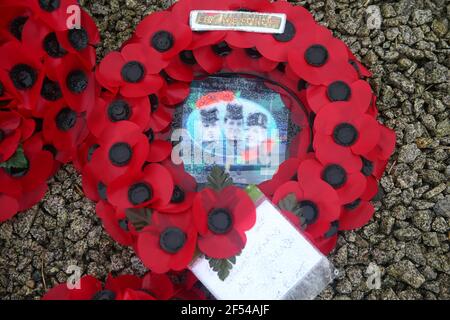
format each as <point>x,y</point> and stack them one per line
<point>435,191</point>
<point>442,207</point>
<point>406,272</point>
<point>440,27</point>
<point>422,220</point>
<point>440,225</point>
<point>408,153</point>
<point>401,82</point>
<point>407,234</point>
<point>430,239</point>
<point>443,128</point>
<point>30,284</point>
<point>420,17</point>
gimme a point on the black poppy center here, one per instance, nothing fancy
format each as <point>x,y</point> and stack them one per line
<point>119,110</point>
<point>220,221</point>
<point>178,195</point>
<point>334,228</point>
<point>78,38</point>
<point>2,90</point>
<point>18,172</point>
<point>51,148</point>
<point>23,76</point>
<point>345,134</point>
<point>150,135</point>
<point>49,5</point>
<point>51,91</point>
<point>66,119</point>
<point>133,72</point>
<point>140,193</point>
<point>367,168</point>
<point>91,151</point>
<point>335,175</point>
<point>288,34</point>
<point>162,41</point>
<point>123,224</point>
<point>172,240</point>
<point>52,47</point>
<point>77,81</point>
<point>302,85</point>
<point>2,135</point>
<point>16,27</point>
<point>309,211</point>
<point>187,57</point>
<point>253,53</point>
<point>353,205</point>
<point>316,55</point>
<point>101,189</point>
<point>221,49</point>
<point>120,154</point>
<point>339,91</point>
<point>154,102</point>
<point>104,295</point>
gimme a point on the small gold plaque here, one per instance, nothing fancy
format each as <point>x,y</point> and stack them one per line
<point>210,20</point>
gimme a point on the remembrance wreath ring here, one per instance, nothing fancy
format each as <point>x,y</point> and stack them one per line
<point>123,152</point>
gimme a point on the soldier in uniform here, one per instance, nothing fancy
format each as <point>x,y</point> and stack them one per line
<point>210,132</point>
<point>234,123</point>
<point>257,140</point>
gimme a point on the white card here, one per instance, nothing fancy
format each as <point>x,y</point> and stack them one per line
<point>276,263</point>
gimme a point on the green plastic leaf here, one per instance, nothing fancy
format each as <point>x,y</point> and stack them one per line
<point>290,203</point>
<point>18,160</point>
<point>222,266</point>
<point>219,179</point>
<point>140,218</point>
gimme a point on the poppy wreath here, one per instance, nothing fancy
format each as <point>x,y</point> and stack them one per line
<point>174,286</point>
<point>147,202</point>
<point>47,86</point>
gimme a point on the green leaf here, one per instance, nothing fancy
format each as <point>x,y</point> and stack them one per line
<point>17,160</point>
<point>290,203</point>
<point>222,266</point>
<point>219,179</point>
<point>140,218</point>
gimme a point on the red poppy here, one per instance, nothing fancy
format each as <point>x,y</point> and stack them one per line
<point>174,93</point>
<point>77,82</point>
<point>358,94</point>
<point>222,219</point>
<point>8,203</point>
<point>184,189</point>
<point>64,127</point>
<point>133,71</point>
<point>13,20</point>
<point>53,13</point>
<point>326,244</point>
<point>84,152</point>
<point>88,287</point>
<point>299,25</point>
<point>349,183</point>
<point>118,288</point>
<point>25,73</point>
<point>123,149</point>
<point>151,187</point>
<point>13,129</point>
<point>317,201</point>
<point>111,108</point>
<point>164,34</point>
<point>158,285</point>
<point>356,214</point>
<point>318,58</point>
<point>181,12</point>
<point>160,115</point>
<point>385,146</point>
<point>81,41</point>
<point>116,227</point>
<point>248,60</point>
<point>343,132</point>
<point>168,243</point>
<point>211,58</point>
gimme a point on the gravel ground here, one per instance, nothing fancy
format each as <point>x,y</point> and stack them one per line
<point>408,239</point>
